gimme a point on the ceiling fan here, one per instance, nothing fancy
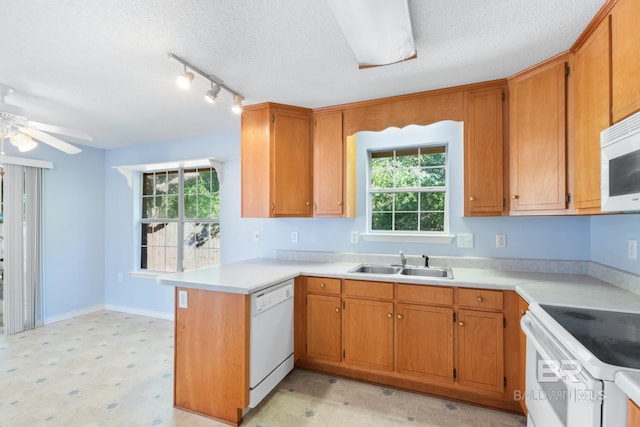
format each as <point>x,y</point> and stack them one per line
<point>22,132</point>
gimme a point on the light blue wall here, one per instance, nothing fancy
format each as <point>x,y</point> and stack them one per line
<point>609,240</point>
<point>73,231</point>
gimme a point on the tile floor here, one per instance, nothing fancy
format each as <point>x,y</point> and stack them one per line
<point>115,369</point>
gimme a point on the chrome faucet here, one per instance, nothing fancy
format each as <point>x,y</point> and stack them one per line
<point>403,259</point>
<point>426,261</point>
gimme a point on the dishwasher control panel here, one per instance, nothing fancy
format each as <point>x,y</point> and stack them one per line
<point>270,297</point>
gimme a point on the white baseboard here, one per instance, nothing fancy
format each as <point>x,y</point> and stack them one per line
<point>71,314</point>
<point>139,312</point>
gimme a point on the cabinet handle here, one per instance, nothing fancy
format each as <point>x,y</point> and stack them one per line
<point>389,315</point>
<point>472,199</point>
<point>523,312</point>
<point>322,285</point>
<point>306,203</point>
<point>339,203</point>
<point>480,299</point>
<point>515,197</point>
<point>337,310</point>
<point>273,206</point>
<point>461,323</point>
<point>400,316</point>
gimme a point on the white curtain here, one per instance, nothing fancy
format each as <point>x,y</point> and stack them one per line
<point>23,247</point>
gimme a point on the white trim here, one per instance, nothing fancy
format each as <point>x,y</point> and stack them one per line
<point>397,237</point>
<point>20,161</point>
<point>140,312</point>
<point>154,167</point>
<point>71,314</point>
<point>143,274</point>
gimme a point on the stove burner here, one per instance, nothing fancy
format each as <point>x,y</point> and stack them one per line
<point>581,316</point>
<point>618,352</point>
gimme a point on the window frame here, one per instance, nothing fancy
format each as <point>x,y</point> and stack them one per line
<point>434,236</point>
<point>180,220</point>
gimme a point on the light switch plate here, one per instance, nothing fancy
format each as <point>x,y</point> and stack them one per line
<point>294,237</point>
<point>354,237</point>
<point>632,250</point>
<point>183,299</point>
<point>501,241</point>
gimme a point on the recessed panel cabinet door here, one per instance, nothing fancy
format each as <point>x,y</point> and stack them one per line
<point>368,333</point>
<point>425,341</point>
<point>328,165</point>
<point>291,168</point>
<point>323,327</point>
<point>537,140</point>
<point>481,350</point>
<point>592,115</point>
<point>483,153</point>
<point>625,58</point>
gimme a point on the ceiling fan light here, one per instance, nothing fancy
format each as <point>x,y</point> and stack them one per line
<point>184,80</point>
<point>18,139</point>
<point>237,104</point>
<point>212,94</point>
<point>28,146</point>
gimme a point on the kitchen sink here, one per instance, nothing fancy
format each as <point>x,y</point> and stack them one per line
<point>376,269</point>
<point>446,273</point>
<point>442,273</point>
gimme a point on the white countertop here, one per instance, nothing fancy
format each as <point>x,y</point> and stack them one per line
<point>246,277</point>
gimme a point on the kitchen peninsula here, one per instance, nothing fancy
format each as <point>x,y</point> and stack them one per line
<point>212,347</point>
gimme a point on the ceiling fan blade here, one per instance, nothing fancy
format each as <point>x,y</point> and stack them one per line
<point>50,140</point>
<point>62,131</point>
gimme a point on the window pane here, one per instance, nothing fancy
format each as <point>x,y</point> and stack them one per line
<point>381,202</point>
<point>433,156</point>
<point>173,179</point>
<point>406,221</point>
<point>382,179</point>
<point>406,158</point>
<point>148,181</point>
<point>190,206</point>
<point>432,177</point>
<point>406,202</point>
<point>407,178</point>
<point>172,206</point>
<point>432,201</point>
<point>432,221</point>
<point>147,206</point>
<point>382,221</point>
<point>161,185</point>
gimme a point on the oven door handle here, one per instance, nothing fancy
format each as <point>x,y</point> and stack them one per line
<point>556,353</point>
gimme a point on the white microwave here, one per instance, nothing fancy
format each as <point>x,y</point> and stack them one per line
<point>620,166</point>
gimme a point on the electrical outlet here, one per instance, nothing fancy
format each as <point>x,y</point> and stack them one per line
<point>294,237</point>
<point>465,240</point>
<point>632,250</point>
<point>354,237</point>
<point>501,241</point>
<point>183,299</point>
<point>256,235</point>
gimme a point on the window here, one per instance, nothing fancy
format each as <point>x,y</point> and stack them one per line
<point>407,190</point>
<point>180,219</point>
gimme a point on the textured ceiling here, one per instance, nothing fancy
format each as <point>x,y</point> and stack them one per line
<point>101,65</point>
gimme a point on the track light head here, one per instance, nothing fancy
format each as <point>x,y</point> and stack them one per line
<point>212,94</point>
<point>185,79</point>
<point>237,104</point>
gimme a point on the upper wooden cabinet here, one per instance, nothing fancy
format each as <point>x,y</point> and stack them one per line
<point>592,101</point>
<point>276,161</point>
<point>483,152</point>
<point>625,58</point>
<point>537,138</point>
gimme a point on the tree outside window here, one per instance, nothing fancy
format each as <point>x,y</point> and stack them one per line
<point>180,219</point>
<point>408,190</point>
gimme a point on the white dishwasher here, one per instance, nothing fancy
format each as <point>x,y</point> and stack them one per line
<point>271,339</point>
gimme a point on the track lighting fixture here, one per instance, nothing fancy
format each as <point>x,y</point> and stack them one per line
<point>185,80</point>
<point>212,94</point>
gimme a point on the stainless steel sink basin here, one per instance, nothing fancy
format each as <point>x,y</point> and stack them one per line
<point>428,272</point>
<point>376,269</point>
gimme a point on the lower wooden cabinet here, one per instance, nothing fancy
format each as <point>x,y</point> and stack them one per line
<point>324,320</point>
<point>633,414</point>
<point>481,349</point>
<point>368,333</point>
<point>523,306</point>
<point>425,341</point>
<point>436,339</point>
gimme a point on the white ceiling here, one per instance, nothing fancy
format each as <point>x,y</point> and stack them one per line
<point>101,65</point>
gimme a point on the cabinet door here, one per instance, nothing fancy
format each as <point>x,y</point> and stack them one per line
<point>323,327</point>
<point>291,163</point>
<point>481,350</point>
<point>633,414</point>
<point>483,184</point>
<point>328,165</point>
<point>537,142</point>
<point>625,58</point>
<point>368,333</point>
<point>592,101</point>
<point>425,341</point>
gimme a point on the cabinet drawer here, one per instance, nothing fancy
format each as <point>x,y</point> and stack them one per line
<point>359,288</point>
<point>425,294</point>
<point>324,285</point>
<point>480,298</point>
